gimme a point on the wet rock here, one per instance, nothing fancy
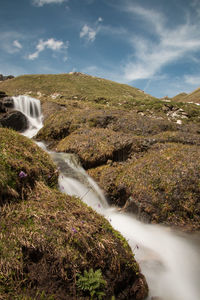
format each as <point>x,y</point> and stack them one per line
<point>2,94</point>
<point>15,120</point>
<point>5,103</point>
<point>140,293</point>
<point>8,102</point>
<point>2,108</point>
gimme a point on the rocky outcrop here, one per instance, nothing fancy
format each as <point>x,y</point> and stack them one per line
<point>111,143</point>
<point>6,103</point>
<point>14,120</point>
<point>48,238</point>
<point>96,146</point>
<point>3,78</point>
<point>161,186</point>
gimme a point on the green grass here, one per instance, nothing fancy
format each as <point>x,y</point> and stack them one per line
<point>78,87</point>
<point>71,86</point>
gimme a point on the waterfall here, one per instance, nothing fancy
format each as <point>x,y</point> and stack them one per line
<point>169,260</point>
<point>31,108</point>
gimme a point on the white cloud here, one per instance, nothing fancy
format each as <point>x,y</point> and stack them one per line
<point>17,44</point>
<point>43,2</point>
<point>52,44</point>
<point>10,41</point>
<point>88,32</point>
<point>168,44</point>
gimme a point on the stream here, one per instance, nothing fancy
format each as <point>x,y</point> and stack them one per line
<point>169,260</point>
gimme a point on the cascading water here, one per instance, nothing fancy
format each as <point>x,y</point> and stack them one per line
<point>169,260</point>
<point>31,108</point>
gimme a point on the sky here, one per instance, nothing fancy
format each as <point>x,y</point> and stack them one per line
<point>153,45</point>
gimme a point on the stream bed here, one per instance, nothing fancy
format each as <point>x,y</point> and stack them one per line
<point>169,260</point>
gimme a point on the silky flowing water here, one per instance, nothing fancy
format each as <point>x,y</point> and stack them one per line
<point>169,260</point>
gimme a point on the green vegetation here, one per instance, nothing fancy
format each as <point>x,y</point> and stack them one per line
<point>22,164</point>
<point>48,238</point>
<point>76,86</point>
<point>64,89</point>
<point>164,184</point>
<point>92,283</point>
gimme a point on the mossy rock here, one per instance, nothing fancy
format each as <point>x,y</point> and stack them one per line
<point>182,137</point>
<point>164,184</point>
<point>96,146</point>
<point>50,238</point>
<point>22,163</point>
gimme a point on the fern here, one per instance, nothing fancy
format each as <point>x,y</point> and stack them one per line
<point>92,282</point>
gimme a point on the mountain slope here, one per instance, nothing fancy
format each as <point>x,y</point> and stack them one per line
<point>192,97</point>
<point>73,86</point>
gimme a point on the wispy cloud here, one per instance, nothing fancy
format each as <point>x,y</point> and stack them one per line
<point>192,79</point>
<point>168,44</point>
<point>88,32</point>
<point>10,41</point>
<point>54,45</point>
<point>17,44</point>
<point>43,2</point>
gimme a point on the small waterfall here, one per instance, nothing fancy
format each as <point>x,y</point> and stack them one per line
<point>28,106</point>
<point>31,108</point>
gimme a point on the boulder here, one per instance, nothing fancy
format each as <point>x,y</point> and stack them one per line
<point>2,108</point>
<point>2,94</point>
<point>8,102</point>
<point>15,120</point>
<point>2,78</point>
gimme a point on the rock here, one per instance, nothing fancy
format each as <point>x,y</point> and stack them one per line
<point>15,120</point>
<point>160,186</point>
<point>8,102</point>
<point>110,144</point>
<point>2,78</point>
<point>2,94</point>
<point>2,108</point>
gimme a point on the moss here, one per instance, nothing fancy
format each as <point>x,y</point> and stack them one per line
<point>22,163</point>
<point>95,146</point>
<point>47,238</point>
<point>53,237</point>
<point>163,184</point>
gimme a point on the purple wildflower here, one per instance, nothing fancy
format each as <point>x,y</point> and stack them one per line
<point>99,205</point>
<point>22,174</point>
<point>49,176</point>
<point>74,230</point>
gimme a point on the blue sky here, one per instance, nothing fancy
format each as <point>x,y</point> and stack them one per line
<point>153,45</point>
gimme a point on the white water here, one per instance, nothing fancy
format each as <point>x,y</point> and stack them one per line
<point>31,108</point>
<point>169,261</point>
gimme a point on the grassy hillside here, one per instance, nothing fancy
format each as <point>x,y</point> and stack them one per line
<point>73,86</point>
<point>192,97</point>
<point>83,89</point>
<point>180,97</point>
